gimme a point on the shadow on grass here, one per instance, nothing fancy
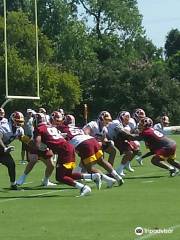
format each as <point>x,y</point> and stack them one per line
<point>144,177</point>
<point>32,196</point>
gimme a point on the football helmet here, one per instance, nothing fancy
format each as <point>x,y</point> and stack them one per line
<point>165,120</point>
<point>17,118</point>
<point>56,117</point>
<point>69,120</point>
<point>42,110</point>
<point>39,118</point>
<point>105,117</point>
<point>124,117</point>
<point>139,114</point>
<point>145,123</point>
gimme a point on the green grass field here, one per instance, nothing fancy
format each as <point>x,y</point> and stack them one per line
<point>148,199</point>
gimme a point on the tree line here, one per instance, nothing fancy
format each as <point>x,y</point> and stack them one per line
<point>91,52</point>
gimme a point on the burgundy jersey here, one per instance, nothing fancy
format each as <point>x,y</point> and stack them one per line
<point>156,140</point>
<point>54,140</point>
<point>70,130</point>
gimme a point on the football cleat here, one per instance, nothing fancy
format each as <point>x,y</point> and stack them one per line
<point>48,184</point>
<point>173,172</point>
<point>119,180</point>
<point>121,173</point>
<point>21,180</point>
<point>14,187</point>
<point>111,182</point>
<point>86,190</point>
<point>129,168</point>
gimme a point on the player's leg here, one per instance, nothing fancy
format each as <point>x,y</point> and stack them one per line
<point>33,159</point>
<point>108,167</point>
<point>64,175</point>
<point>7,160</point>
<point>48,171</point>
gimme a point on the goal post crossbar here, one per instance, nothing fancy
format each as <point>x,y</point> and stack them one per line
<point>22,97</point>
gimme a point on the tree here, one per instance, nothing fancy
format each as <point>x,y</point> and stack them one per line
<point>116,16</point>
<point>172,44</point>
<point>173,63</point>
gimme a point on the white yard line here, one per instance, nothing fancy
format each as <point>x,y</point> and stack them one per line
<point>27,183</point>
<point>150,235</point>
<point>32,195</point>
<point>148,181</point>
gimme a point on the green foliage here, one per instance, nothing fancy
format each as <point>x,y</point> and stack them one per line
<point>58,89</point>
<point>172,44</point>
<point>174,65</point>
<point>116,16</point>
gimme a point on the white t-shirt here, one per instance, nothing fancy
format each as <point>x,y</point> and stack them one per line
<point>7,132</point>
<point>95,128</point>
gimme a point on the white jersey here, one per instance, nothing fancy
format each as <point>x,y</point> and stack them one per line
<point>113,129</point>
<point>161,128</point>
<point>96,129</point>
<point>76,140</point>
<point>9,134</point>
<point>28,126</point>
<point>3,121</point>
<point>74,134</point>
<point>132,124</point>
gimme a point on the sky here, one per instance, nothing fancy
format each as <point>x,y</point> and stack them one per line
<point>159,17</point>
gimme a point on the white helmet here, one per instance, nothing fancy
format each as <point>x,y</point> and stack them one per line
<point>17,118</point>
<point>105,116</point>
<point>69,120</point>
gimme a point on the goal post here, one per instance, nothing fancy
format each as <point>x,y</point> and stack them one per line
<point>37,97</point>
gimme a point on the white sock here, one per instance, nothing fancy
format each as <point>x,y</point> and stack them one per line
<point>106,178</point>
<point>121,168</point>
<point>24,176</point>
<point>45,180</point>
<point>79,185</point>
<point>13,183</point>
<point>89,176</point>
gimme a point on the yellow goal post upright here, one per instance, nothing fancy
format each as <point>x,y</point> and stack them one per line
<point>11,97</point>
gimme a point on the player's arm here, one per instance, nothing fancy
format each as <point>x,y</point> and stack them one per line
<point>37,141</point>
<point>1,141</point>
<point>148,154</point>
<point>6,149</point>
<point>126,135</point>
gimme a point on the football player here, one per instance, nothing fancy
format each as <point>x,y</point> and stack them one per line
<point>164,122</point>
<point>88,148</point>
<point>43,154</point>
<point>8,132</point>
<point>49,135</point>
<point>98,130</point>
<point>161,147</point>
<point>28,130</point>
<point>118,131</point>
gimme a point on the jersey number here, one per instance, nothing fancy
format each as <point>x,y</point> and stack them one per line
<point>54,133</point>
